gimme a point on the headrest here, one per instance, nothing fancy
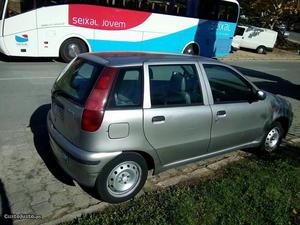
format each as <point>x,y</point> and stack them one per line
<point>177,82</point>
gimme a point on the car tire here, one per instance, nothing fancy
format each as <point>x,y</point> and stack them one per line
<point>122,178</point>
<point>191,49</point>
<point>261,50</point>
<point>72,47</point>
<point>272,138</point>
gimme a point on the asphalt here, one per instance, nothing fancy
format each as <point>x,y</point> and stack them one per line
<point>294,37</point>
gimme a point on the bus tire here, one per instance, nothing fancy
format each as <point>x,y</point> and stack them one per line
<point>192,49</point>
<point>72,47</point>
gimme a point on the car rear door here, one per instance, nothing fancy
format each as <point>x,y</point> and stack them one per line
<point>236,120</point>
<point>177,117</point>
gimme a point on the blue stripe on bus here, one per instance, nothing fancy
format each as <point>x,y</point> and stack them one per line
<point>213,42</point>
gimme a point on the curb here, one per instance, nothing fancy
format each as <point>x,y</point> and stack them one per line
<point>71,216</point>
<point>294,143</point>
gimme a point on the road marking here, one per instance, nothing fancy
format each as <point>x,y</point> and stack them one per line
<point>25,78</point>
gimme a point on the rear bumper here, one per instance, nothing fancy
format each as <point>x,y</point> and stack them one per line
<point>81,165</point>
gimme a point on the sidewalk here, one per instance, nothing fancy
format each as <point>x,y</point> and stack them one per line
<point>277,54</point>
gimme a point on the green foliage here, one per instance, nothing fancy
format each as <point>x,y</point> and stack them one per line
<point>267,13</point>
<point>254,191</point>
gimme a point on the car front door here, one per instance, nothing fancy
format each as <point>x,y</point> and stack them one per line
<point>237,121</point>
<point>177,117</point>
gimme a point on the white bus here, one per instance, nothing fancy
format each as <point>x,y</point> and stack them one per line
<point>65,28</point>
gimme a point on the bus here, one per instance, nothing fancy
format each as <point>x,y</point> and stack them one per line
<point>65,28</point>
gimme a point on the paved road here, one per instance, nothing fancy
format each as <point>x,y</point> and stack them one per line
<point>30,180</point>
<point>294,37</point>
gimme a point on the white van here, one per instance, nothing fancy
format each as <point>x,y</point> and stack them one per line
<point>259,39</point>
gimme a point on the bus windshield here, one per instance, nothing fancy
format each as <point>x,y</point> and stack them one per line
<point>1,8</point>
<point>16,7</point>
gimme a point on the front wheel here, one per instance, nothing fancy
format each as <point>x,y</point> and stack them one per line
<point>122,178</point>
<point>273,138</point>
<point>72,47</point>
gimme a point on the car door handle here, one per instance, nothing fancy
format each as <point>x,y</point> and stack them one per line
<point>221,113</point>
<point>158,119</point>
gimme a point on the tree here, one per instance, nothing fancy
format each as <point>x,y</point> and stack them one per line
<point>268,13</point>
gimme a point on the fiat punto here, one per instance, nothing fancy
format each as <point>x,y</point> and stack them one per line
<point>115,116</point>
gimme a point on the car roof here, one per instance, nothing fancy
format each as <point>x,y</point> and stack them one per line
<point>121,59</point>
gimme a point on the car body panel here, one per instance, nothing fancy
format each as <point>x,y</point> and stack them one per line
<point>187,133</point>
<point>179,136</point>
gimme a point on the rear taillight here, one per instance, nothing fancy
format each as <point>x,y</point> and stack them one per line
<point>94,108</point>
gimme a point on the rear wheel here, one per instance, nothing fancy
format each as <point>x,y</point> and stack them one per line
<point>191,49</point>
<point>72,47</point>
<point>122,178</point>
<point>261,50</point>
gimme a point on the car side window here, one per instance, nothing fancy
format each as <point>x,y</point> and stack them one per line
<point>128,89</point>
<point>227,86</point>
<point>174,85</point>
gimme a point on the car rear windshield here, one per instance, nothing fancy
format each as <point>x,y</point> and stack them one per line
<point>77,80</point>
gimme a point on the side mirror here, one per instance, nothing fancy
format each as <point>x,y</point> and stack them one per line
<point>260,95</point>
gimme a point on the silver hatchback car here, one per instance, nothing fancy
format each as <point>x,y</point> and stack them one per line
<point>115,116</point>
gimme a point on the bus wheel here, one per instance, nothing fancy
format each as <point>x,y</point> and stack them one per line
<point>70,48</point>
<point>192,49</point>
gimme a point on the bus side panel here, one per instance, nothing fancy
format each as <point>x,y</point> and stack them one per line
<point>215,37</point>
<point>166,33</point>
<point>20,34</point>
<point>123,40</point>
<point>151,35</point>
<point>54,29</point>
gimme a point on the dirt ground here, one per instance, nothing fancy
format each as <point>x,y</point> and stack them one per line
<point>276,54</point>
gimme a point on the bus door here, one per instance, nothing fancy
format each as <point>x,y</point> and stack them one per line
<point>20,29</point>
<point>2,4</point>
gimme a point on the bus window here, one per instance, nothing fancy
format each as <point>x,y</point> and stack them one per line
<point>41,3</point>
<point>1,8</point>
<point>233,12</point>
<point>222,13</point>
<point>192,8</point>
<point>208,10</point>
<point>227,11</point>
<point>16,7</point>
<point>145,5</point>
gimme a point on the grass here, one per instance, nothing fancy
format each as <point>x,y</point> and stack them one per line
<point>253,191</point>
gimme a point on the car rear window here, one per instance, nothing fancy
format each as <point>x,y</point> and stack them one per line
<point>77,80</point>
<point>128,89</point>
